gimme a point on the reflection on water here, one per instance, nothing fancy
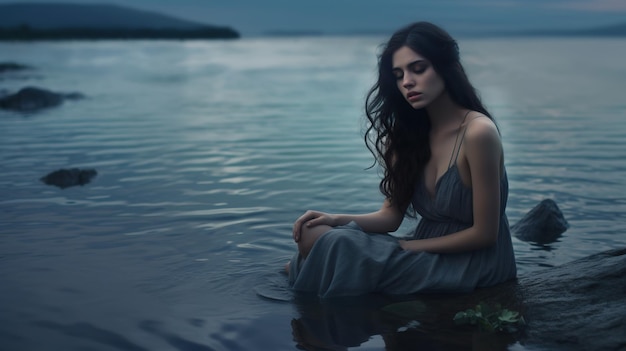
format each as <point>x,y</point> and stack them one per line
<point>207,151</point>
<point>412,324</point>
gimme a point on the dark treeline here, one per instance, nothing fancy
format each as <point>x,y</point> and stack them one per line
<point>25,32</point>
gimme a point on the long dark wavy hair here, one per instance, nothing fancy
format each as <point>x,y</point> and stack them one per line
<point>397,134</point>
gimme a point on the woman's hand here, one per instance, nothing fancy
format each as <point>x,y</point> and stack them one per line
<point>312,219</point>
<point>402,244</point>
<point>409,245</point>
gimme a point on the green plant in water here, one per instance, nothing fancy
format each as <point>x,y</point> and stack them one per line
<point>491,318</point>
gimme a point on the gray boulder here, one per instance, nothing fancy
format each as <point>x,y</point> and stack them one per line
<point>543,224</point>
<point>64,178</point>
<point>577,306</point>
<point>31,99</point>
<point>580,305</point>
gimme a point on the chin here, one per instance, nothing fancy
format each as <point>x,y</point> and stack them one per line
<point>418,105</point>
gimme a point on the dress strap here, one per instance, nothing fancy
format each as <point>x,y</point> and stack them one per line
<point>456,150</point>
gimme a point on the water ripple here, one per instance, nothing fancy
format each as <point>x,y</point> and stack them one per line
<point>199,180</point>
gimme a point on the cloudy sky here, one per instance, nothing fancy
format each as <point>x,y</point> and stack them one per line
<point>254,17</point>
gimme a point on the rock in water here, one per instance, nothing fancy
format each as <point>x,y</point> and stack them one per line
<point>12,66</point>
<point>580,305</point>
<point>543,224</point>
<point>64,178</point>
<point>31,99</point>
<point>577,306</point>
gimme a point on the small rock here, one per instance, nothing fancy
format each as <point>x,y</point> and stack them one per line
<point>12,66</point>
<point>64,178</point>
<point>543,224</point>
<point>30,99</point>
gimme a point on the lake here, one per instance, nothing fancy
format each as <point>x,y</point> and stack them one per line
<point>206,153</point>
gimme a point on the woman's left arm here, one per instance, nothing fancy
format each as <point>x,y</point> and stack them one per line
<point>483,152</point>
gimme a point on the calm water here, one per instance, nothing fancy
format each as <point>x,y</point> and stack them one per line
<point>207,151</point>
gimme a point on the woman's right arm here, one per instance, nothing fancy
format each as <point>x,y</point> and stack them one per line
<point>387,219</point>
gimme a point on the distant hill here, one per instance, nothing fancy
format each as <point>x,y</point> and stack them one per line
<point>35,21</point>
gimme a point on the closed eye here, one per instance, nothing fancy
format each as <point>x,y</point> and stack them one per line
<point>418,67</point>
<point>397,73</point>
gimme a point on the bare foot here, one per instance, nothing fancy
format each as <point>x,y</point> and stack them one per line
<point>287,267</point>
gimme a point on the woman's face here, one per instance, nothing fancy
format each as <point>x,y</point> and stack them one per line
<point>416,78</point>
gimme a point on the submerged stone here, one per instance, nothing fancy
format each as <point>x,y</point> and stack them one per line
<point>64,178</point>
<point>31,99</point>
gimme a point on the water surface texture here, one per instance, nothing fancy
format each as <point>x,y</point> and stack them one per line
<point>206,152</point>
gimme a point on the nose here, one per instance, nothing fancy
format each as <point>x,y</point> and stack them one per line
<point>408,80</point>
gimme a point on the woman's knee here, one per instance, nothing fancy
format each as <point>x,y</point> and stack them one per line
<point>309,236</point>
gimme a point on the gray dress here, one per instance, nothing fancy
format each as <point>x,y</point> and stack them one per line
<point>347,261</point>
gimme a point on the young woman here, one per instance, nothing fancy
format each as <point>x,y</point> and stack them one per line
<point>442,158</point>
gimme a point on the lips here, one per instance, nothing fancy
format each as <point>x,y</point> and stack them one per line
<point>413,96</point>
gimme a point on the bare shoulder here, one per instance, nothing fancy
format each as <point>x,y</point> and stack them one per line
<point>481,129</point>
<point>482,138</point>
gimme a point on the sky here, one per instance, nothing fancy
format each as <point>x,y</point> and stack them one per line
<point>258,17</point>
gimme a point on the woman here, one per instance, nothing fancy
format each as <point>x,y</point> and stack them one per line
<point>442,158</point>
